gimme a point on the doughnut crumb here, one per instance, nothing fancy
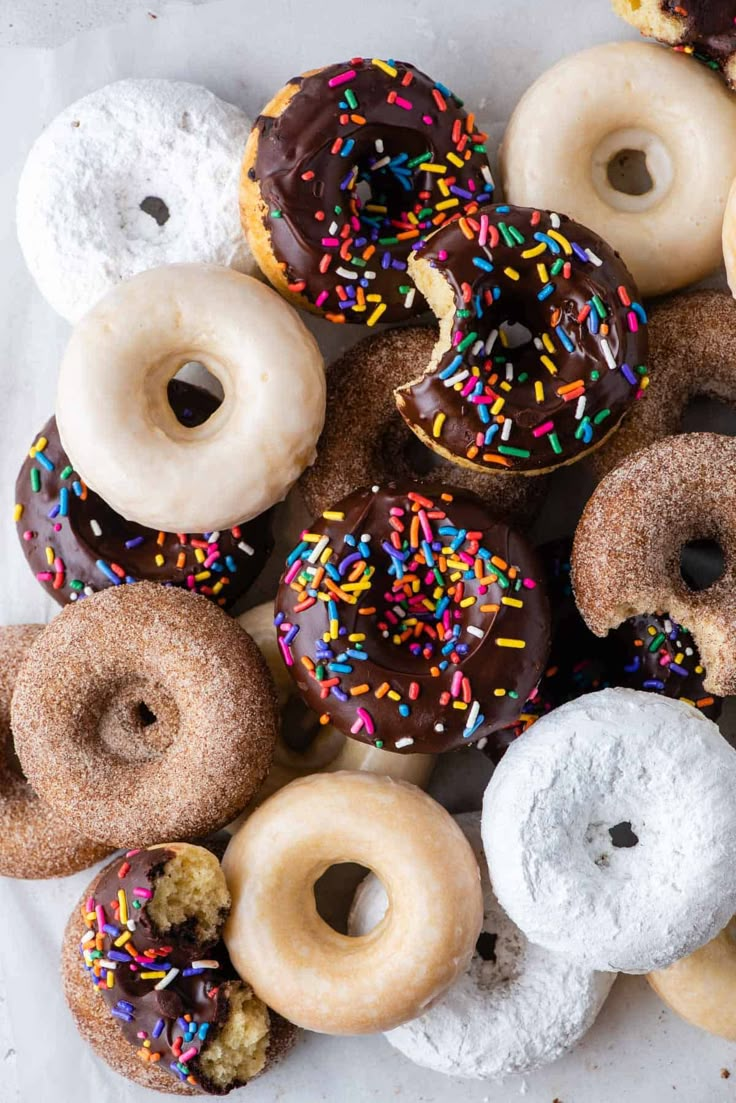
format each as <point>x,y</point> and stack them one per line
<point>237,1051</point>
<point>190,895</point>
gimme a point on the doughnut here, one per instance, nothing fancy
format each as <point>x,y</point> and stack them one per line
<point>610,831</point>
<point>366,440</point>
<point>700,987</point>
<point>692,354</point>
<point>593,110</point>
<point>729,239</point>
<point>34,842</point>
<point>149,982</point>
<point>121,433</point>
<point>75,544</point>
<point>345,171</point>
<point>302,967</point>
<point>137,174</point>
<point>144,711</point>
<point>411,620</point>
<point>542,342</point>
<point>515,1008</point>
<point>626,554</point>
<point>703,28</point>
<point>304,746</point>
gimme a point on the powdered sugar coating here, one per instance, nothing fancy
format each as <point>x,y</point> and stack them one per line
<point>80,222</point>
<point>520,1008</point>
<point>611,758</point>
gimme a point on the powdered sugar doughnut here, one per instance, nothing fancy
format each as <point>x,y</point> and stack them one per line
<point>610,831</point>
<point>137,174</point>
<point>515,1008</point>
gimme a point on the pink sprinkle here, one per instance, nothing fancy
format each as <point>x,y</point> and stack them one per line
<point>396,511</point>
<point>59,565</point>
<point>191,582</point>
<point>665,660</point>
<point>529,584</point>
<point>633,322</point>
<point>145,894</point>
<point>44,576</point>
<point>442,254</point>
<point>469,386</point>
<point>329,242</point>
<point>457,682</point>
<point>293,571</point>
<point>321,298</point>
<point>90,904</point>
<point>483,234</point>
<point>426,527</point>
<point>427,119</point>
<point>211,559</point>
<point>100,916</point>
<point>188,1055</point>
<point>356,726</point>
<point>341,78</point>
<point>57,526</point>
<point>132,853</point>
<point>286,652</point>
<point>28,535</point>
<point>365,717</point>
<point>540,430</point>
<point>401,102</point>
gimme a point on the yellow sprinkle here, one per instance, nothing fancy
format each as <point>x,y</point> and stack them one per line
<point>466,602</point>
<point>123,901</point>
<point>110,978</point>
<point>334,629</point>
<point>50,556</point>
<point>333,515</point>
<point>459,705</point>
<point>373,318</point>
<point>124,937</point>
<point>159,560</point>
<point>373,298</point>
<point>644,382</point>
<point>542,272</point>
<point>539,390</point>
<point>394,695</point>
<point>503,642</point>
<point>511,273</point>
<point>557,236</point>
<point>447,203</point>
<point>437,424</point>
<point>356,637</point>
<point>535,252</point>
<point>699,670</point>
<point>202,576</point>
<point>442,186</point>
<point>17,512</point>
<point>549,365</point>
<point>513,602</point>
<point>152,976</point>
<point>199,555</point>
<point>679,657</point>
<point>453,157</point>
<point>505,386</point>
<point>429,166</point>
<point>218,586</point>
<point>548,343</point>
<point>499,693</point>
<point>384,66</point>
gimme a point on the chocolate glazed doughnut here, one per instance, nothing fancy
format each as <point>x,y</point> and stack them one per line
<point>492,399</point>
<point>704,28</point>
<point>325,140</point>
<point>366,440</point>
<point>433,625</point>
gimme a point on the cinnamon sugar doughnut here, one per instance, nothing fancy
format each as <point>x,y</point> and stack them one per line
<point>34,842</point>
<point>692,342</point>
<point>365,440</point>
<point>626,554</point>
<point>144,711</point>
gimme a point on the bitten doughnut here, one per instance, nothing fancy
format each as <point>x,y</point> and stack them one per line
<point>705,29</point>
<point>144,711</point>
<point>76,544</point>
<point>149,982</point>
<point>610,831</point>
<point>365,439</point>
<point>585,115</point>
<point>700,987</point>
<point>137,174</point>
<point>496,397</point>
<point>626,555</point>
<point>121,433</point>
<point>34,841</point>
<point>301,966</point>
<point>515,1008</point>
<point>411,620</point>
<point>345,170</point>
<point>692,343</point>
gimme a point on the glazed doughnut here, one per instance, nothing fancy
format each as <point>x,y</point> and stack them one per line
<point>703,28</point>
<point>144,711</point>
<point>120,431</point>
<point>700,987</point>
<point>366,440</point>
<point>382,126</point>
<point>76,544</point>
<point>626,555</point>
<point>515,1008</point>
<point>729,239</point>
<point>142,953</point>
<point>433,623</point>
<point>494,399</point>
<point>304,746</point>
<point>34,842</point>
<point>567,809</point>
<point>137,174</point>
<point>692,346</point>
<point>302,967</point>
<point>574,124</point>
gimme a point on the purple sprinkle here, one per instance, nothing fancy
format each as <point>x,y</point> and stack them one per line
<point>628,374</point>
<point>158,1028</point>
<point>579,253</point>
<point>122,1015</point>
<point>678,669</point>
<point>652,683</point>
<point>135,542</point>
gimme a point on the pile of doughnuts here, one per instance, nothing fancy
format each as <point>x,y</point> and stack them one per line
<point>233,752</point>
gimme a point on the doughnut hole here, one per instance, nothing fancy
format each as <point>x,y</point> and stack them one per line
<point>199,375</point>
<point>608,842</point>
<point>708,413</point>
<point>138,721</point>
<point>632,169</point>
<point>237,1050</point>
<point>334,892</point>
<point>702,564</point>
<point>628,173</point>
<point>190,895</point>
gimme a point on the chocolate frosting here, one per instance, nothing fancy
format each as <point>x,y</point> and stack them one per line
<point>153,1019</point>
<point>412,620</point>
<point>92,547</point>
<point>364,126</point>
<point>536,404</point>
<point>710,26</point>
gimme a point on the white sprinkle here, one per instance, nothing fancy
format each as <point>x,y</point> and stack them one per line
<point>689,651</point>
<point>317,550</point>
<point>439,727</point>
<point>365,538</point>
<point>246,548</point>
<point>554,220</point>
<point>213,537</point>
<point>399,611</point>
<point>165,981</point>
<point>107,963</point>
<point>346,273</point>
<point>593,258</point>
<point>477,348</point>
<point>74,596</point>
<point>95,527</point>
<point>475,631</point>
<point>456,378</point>
<point>472,715</point>
<point>131,924</point>
<point>89,937</point>
<point>369,274</point>
<point>410,297</point>
<point>506,429</point>
<point>379,145</point>
<point>333,229</point>
<point>380,164</point>
<point>509,372</point>
<point>206,963</point>
<point>481,743</point>
<point>491,340</point>
<point>485,172</point>
<point>580,407</point>
<point>608,355</point>
<point>538,343</point>
<point>405,742</point>
<point>375,488</point>
<point>88,591</point>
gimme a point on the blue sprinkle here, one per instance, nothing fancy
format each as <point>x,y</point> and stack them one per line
<point>135,542</point>
<point>64,502</point>
<point>481,262</point>
<point>44,461</point>
<point>108,572</point>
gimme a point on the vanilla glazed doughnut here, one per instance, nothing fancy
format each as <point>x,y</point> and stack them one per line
<point>118,427</point>
<point>494,399</point>
<point>137,174</point>
<point>34,841</point>
<point>623,97</point>
<point>366,440</point>
<point>75,544</point>
<point>692,343</point>
<point>302,967</point>
<point>326,137</point>
<point>304,746</point>
<point>706,29</point>
<point>164,1007</point>
<point>610,831</point>
<point>700,987</point>
<point>412,620</point>
<point>626,554</point>
<point>515,1008</point>
<point>144,711</point>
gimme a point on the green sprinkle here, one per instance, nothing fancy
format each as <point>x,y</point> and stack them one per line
<point>351,98</point>
<point>507,450</point>
<point>557,268</point>
<point>517,235</point>
<point>641,369</point>
<point>601,416</point>
<point>599,307</point>
<point>379,743</point>
<point>554,440</point>
<point>418,160</point>
<point>66,472</point>
<point>276,214</point>
<point>75,584</point>
<point>467,342</point>
<point>581,428</point>
<point>35,480</point>
<point>388,241</point>
<point>523,377</point>
<point>595,374</point>
<point>657,642</point>
<point>505,233</point>
<point>404,288</point>
<point>513,695</point>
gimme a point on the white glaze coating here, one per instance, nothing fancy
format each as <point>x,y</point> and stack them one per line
<point>508,1014</point>
<point>80,224</point>
<point>120,432</point>
<point>608,758</point>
